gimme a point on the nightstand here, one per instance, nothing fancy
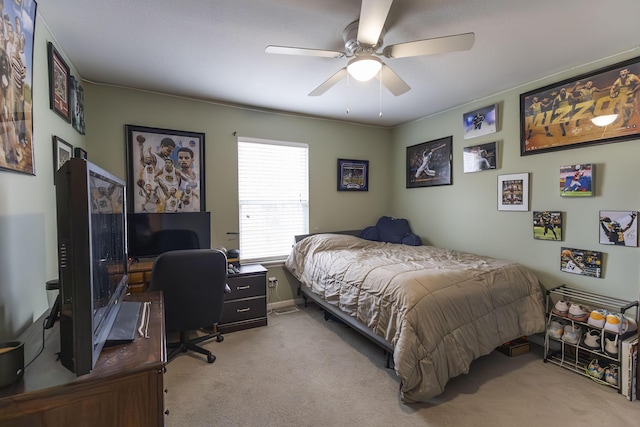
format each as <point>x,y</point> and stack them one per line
<point>246,306</point>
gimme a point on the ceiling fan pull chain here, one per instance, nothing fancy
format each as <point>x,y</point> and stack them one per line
<point>380,80</point>
<point>347,93</point>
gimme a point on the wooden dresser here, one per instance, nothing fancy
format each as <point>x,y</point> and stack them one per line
<point>246,306</point>
<point>124,389</point>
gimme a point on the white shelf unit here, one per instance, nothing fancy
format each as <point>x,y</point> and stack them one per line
<point>576,357</point>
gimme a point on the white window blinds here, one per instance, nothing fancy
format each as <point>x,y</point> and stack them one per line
<point>273,192</point>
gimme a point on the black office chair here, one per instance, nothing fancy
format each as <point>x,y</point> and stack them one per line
<point>193,283</point>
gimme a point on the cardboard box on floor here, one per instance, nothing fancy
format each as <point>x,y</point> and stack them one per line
<point>515,347</point>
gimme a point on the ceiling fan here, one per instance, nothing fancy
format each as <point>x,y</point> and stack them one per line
<point>362,40</point>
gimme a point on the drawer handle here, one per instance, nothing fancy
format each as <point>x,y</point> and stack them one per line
<point>240,288</point>
<point>243,310</point>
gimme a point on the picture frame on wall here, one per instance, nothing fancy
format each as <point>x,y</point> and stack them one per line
<point>77,103</point>
<point>479,158</point>
<point>483,121</point>
<point>429,164</point>
<point>592,108</point>
<point>547,225</point>
<point>165,170</point>
<point>581,261</point>
<point>17,148</point>
<point>59,84</point>
<point>79,153</point>
<point>62,151</point>
<point>353,175</point>
<point>577,180</point>
<point>513,192</point>
<point>618,228</point>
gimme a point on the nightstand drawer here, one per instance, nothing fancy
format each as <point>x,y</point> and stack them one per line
<point>246,286</point>
<point>244,309</point>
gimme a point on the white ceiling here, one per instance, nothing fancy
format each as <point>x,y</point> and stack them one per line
<point>214,49</point>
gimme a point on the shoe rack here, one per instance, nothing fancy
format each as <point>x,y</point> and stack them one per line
<point>576,357</point>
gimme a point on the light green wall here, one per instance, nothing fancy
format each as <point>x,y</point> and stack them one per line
<point>108,109</point>
<point>464,216</point>
<point>28,241</point>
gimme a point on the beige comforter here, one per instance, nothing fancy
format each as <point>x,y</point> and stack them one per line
<point>440,309</point>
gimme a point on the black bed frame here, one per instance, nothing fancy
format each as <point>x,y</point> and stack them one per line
<point>332,312</point>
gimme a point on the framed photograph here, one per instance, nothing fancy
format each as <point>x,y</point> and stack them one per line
<point>59,84</point>
<point>513,192</point>
<point>80,153</point>
<point>430,163</point>
<point>17,148</point>
<point>581,261</point>
<point>482,121</point>
<point>353,175</point>
<point>480,157</point>
<point>592,108</point>
<point>619,228</point>
<point>165,170</point>
<point>77,105</point>
<point>62,151</point>
<point>547,225</point>
<point>577,180</point>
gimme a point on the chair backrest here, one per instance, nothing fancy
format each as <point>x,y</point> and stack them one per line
<point>193,284</point>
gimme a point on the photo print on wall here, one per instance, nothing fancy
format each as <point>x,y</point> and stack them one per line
<point>577,180</point>
<point>619,228</point>
<point>481,157</point>
<point>547,225</point>
<point>581,261</point>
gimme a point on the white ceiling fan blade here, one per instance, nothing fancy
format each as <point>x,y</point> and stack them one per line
<point>373,14</point>
<point>392,81</point>
<point>431,46</point>
<point>287,50</point>
<point>329,83</point>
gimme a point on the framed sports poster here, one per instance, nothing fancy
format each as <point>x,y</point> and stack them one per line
<point>165,170</point>
<point>547,225</point>
<point>16,149</point>
<point>577,180</point>
<point>59,84</point>
<point>513,192</point>
<point>353,175</point>
<point>430,163</point>
<point>593,108</point>
<point>482,121</point>
<point>480,157</point>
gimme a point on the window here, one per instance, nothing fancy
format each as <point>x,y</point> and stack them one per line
<point>273,193</point>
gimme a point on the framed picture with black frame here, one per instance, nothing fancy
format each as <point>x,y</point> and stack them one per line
<point>430,163</point>
<point>165,170</point>
<point>353,175</point>
<point>593,108</point>
<point>59,84</point>
<point>62,151</point>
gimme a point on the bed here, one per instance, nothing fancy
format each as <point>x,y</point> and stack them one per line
<point>434,309</point>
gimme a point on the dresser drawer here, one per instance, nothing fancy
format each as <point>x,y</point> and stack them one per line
<point>246,286</point>
<point>244,309</point>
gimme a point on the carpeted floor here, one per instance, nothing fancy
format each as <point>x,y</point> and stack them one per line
<point>301,370</point>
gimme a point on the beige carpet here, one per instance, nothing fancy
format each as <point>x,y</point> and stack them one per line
<point>301,370</point>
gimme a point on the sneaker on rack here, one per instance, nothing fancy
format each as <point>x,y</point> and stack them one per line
<point>578,312</point>
<point>616,323</point>
<point>555,329</point>
<point>611,374</point>
<point>611,345</point>
<point>572,334</point>
<point>595,370</point>
<point>561,308</point>
<point>597,318</point>
<point>592,339</point>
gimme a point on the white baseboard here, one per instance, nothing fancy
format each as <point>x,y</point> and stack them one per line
<point>284,304</point>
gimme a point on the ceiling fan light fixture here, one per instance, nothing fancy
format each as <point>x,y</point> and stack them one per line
<point>364,68</point>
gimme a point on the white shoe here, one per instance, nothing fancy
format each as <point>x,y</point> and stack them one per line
<point>592,339</point>
<point>611,374</point>
<point>555,329</point>
<point>611,346</point>
<point>572,334</point>
<point>597,318</point>
<point>561,308</point>
<point>578,312</point>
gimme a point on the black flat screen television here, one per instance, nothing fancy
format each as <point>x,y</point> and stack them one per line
<point>92,259</point>
<point>150,234</point>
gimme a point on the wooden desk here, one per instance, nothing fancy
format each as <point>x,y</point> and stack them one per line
<point>124,389</point>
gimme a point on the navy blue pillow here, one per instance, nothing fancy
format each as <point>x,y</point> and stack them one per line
<point>392,230</point>
<point>370,233</point>
<point>412,240</point>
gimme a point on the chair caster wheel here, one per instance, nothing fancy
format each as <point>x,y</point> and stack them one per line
<point>220,338</point>
<point>211,358</point>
